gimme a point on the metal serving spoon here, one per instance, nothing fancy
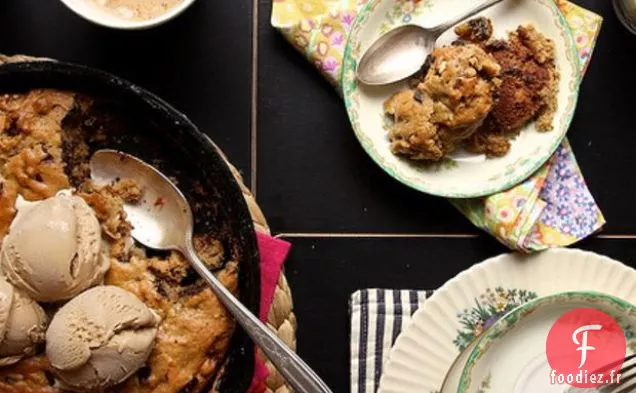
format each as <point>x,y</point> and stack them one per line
<point>163,221</point>
<point>402,51</point>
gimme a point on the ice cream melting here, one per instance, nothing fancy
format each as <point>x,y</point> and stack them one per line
<point>22,324</point>
<point>54,249</point>
<point>100,338</point>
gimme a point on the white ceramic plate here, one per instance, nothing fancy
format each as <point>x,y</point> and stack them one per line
<point>464,176</point>
<point>511,356</point>
<point>458,312</point>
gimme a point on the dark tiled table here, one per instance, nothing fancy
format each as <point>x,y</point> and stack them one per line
<point>330,185</point>
<point>353,227</point>
<point>284,127</point>
<point>200,63</point>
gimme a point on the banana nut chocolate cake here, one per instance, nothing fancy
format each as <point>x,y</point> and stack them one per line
<point>476,94</point>
<point>44,149</point>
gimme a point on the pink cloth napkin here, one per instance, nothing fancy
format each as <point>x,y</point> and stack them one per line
<point>273,254</point>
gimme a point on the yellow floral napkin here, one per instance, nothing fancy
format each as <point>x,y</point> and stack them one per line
<point>552,208</point>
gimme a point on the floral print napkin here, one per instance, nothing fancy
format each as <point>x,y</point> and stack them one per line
<point>552,208</point>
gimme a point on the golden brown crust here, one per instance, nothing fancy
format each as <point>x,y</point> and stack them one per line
<point>195,331</point>
<point>529,83</point>
<point>36,174</point>
<point>460,84</point>
<point>28,376</point>
<point>109,211</point>
<point>490,142</point>
<point>413,134</point>
<point>476,30</point>
<point>476,93</point>
<point>190,323</point>
<point>30,148</point>
<point>8,197</point>
<point>543,51</point>
<point>449,104</point>
<point>529,80</point>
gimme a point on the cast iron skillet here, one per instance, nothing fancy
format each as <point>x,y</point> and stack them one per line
<point>158,133</point>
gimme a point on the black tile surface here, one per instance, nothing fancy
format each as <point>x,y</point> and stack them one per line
<point>314,177</point>
<point>199,62</point>
<point>324,272</point>
<point>312,174</point>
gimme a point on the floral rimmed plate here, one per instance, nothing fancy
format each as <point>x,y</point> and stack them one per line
<point>464,175</point>
<point>511,357</point>
<point>425,355</point>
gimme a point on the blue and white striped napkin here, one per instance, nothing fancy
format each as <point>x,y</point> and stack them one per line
<point>377,317</point>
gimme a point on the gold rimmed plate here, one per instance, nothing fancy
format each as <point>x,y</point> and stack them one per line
<point>463,175</point>
<point>431,352</point>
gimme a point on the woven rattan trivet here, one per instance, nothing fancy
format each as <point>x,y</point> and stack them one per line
<point>281,318</point>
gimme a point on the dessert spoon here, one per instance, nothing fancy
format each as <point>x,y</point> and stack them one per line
<point>169,226</point>
<point>402,51</point>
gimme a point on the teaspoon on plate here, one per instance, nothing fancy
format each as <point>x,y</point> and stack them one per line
<point>170,228</point>
<point>402,51</point>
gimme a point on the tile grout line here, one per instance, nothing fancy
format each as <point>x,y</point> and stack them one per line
<point>617,237</point>
<point>375,235</point>
<point>254,100</point>
<point>254,157</point>
<point>292,235</point>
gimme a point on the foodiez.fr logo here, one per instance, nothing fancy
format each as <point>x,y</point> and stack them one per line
<point>585,348</point>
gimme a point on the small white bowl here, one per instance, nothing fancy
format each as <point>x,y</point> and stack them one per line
<point>96,14</point>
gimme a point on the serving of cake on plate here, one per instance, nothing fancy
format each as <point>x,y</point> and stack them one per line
<point>476,94</point>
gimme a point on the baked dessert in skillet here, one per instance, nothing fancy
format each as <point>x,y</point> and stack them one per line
<point>46,137</point>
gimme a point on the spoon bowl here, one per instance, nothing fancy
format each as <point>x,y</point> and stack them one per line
<point>163,216</point>
<point>402,52</point>
<point>163,220</point>
<point>396,55</point>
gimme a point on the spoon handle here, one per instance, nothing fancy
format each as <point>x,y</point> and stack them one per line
<point>472,12</point>
<point>297,373</point>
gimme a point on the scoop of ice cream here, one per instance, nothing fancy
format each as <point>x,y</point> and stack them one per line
<point>100,338</point>
<point>54,249</point>
<point>22,324</point>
